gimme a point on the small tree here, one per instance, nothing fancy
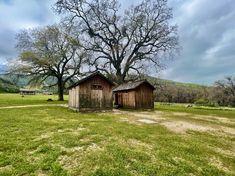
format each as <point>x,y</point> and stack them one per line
<point>50,52</point>
<point>123,41</point>
<point>224,92</point>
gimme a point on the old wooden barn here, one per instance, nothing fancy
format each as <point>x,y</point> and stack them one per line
<point>91,93</point>
<point>136,95</point>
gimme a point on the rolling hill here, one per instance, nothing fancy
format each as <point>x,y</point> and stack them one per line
<point>7,86</point>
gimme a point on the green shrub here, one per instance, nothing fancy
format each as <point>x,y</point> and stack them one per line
<point>202,102</point>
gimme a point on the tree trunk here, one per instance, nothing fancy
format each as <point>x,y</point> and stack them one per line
<point>120,77</point>
<point>60,91</point>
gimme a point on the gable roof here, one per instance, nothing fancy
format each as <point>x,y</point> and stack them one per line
<point>131,85</point>
<point>90,76</point>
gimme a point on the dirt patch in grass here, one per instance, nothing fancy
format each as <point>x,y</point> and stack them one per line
<point>76,131</point>
<point>218,164</point>
<point>72,149</point>
<point>44,136</point>
<point>147,121</point>
<point>6,168</point>
<point>75,155</point>
<point>93,147</point>
<point>227,130</point>
<point>48,135</point>
<point>179,126</point>
<point>117,111</point>
<point>155,116</point>
<point>69,162</point>
<point>180,113</point>
<point>227,153</point>
<point>41,173</point>
<point>214,119</point>
<point>182,126</point>
<point>138,143</point>
<point>124,119</point>
<point>160,113</point>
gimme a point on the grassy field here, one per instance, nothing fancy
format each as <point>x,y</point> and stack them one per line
<point>17,99</point>
<point>171,140</point>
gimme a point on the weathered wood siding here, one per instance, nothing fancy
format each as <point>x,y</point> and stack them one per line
<point>144,96</point>
<point>85,97</point>
<point>141,97</point>
<point>74,97</point>
<point>126,99</point>
<point>70,99</point>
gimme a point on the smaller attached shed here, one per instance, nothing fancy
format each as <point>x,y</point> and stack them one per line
<point>136,95</point>
<point>91,93</point>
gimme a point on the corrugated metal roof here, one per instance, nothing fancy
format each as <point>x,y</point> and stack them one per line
<point>131,85</point>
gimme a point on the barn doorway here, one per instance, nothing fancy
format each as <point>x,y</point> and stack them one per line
<point>97,96</point>
<point>115,99</point>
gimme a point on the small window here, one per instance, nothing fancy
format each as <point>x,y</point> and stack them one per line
<point>96,87</point>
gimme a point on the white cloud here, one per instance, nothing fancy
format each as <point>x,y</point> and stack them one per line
<point>206,29</point>
<point>16,15</point>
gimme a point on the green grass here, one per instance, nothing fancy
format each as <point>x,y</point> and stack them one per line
<point>17,99</point>
<point>219,111</point>
<point>58,141</point>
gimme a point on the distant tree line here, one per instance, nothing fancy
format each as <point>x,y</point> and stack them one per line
<point>222,93</point>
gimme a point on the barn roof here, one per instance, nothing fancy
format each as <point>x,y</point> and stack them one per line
<point>131,85</point>
<point>90,76</point>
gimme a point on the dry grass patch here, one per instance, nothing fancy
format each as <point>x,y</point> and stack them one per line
<point>179,126</point>
<point>139,144</point>
<point>224,152</point>
<point>147,121</point>
<point>48,135</point>
<point>41,173</point>
<point>181,114</point>
<point>214,119</point>
<point>147,115</point>
<point>6,168</point>
<point>75,155</point>
<point>183,126</point>
<point>214,161</point>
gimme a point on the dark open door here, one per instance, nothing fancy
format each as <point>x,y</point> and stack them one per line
<point>115,99</point>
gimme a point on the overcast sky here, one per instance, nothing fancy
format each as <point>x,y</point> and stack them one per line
<point>206,30</point>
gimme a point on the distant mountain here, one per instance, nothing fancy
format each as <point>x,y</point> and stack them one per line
<point>157,81</point>
<point>160,82</point>
<point>7,86</point>
<point>14,82</point>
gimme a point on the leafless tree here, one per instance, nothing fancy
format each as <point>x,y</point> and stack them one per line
<point>123,41</point>
<point>225,91</point>
<point>50,52</point>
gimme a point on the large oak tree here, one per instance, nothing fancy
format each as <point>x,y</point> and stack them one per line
<point>123,40</point>
<point>50,52</point>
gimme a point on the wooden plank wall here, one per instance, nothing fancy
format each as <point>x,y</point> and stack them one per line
<point>73,97</point>
<point>70,100</point>
<point>126,99</point>
<point>88,101</point>
<point>144,96</point>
